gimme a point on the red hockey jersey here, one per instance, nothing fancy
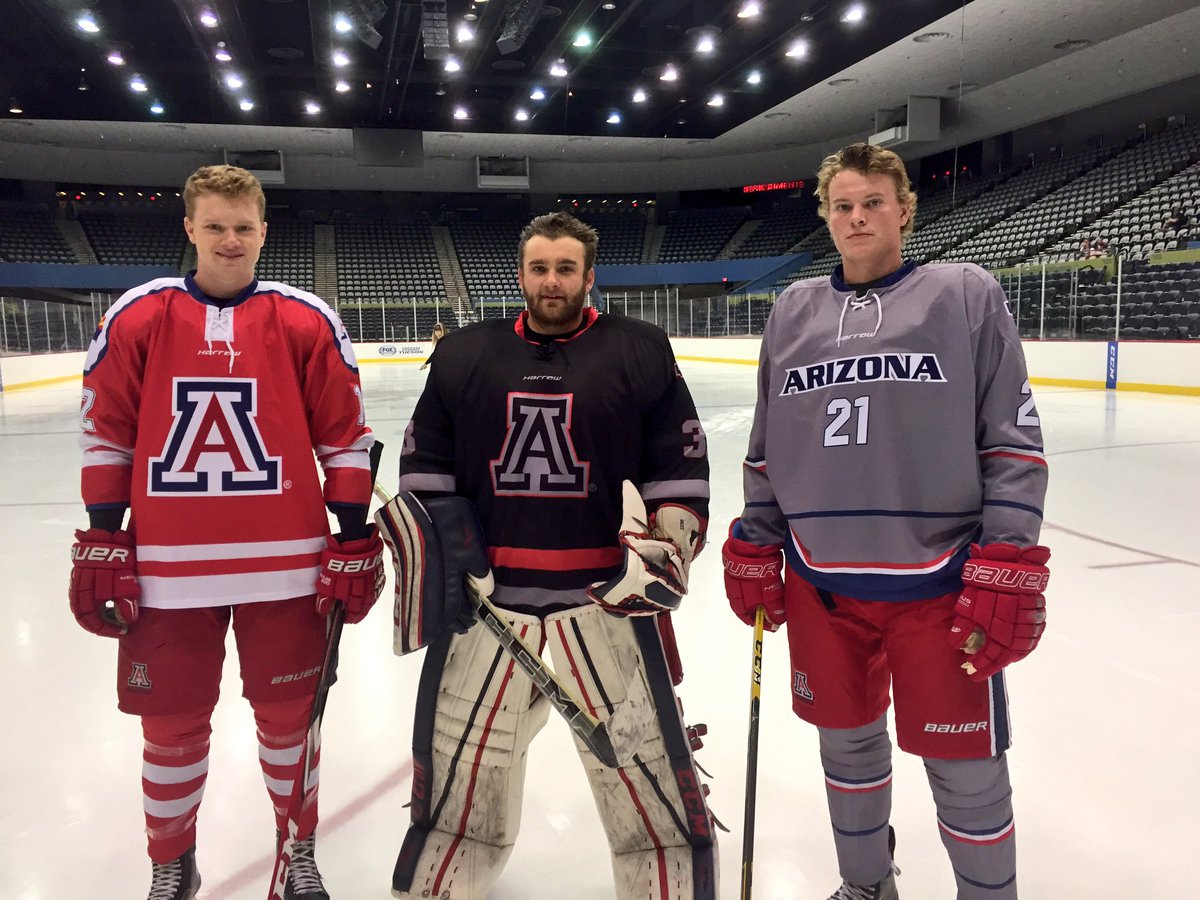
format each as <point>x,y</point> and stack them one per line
<point>204,420</point>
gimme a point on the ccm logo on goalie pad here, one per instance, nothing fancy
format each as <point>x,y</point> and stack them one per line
<point>99,554</point>
<point>352,566</point>
<point>752,570</point>
<point>1015,580</point>
<point>693,801</point>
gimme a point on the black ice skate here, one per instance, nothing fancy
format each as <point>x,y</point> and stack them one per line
<point>176,880</point>
<point>304,881</point>
<point>880,890</point>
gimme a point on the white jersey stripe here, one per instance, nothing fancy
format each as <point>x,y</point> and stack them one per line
<point>222,590</point>
<point>256,550</point>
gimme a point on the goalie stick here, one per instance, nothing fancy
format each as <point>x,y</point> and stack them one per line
<point>614,741</point>
<point>312,741</point>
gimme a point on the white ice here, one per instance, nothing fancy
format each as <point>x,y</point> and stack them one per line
<point>1105,738</point>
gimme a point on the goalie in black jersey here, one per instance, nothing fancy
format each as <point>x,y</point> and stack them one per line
<point>557,426</point>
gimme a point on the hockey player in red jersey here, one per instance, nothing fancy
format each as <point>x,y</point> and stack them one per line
<point>539,422</point>
<point>205,399</point>
<point>896,465</point>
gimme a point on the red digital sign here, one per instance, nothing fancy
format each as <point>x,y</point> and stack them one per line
<point>772,186</point>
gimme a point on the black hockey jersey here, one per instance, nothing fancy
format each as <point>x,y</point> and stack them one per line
<point>539,436</point>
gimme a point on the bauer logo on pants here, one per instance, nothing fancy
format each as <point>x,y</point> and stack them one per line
<point>138,677</point>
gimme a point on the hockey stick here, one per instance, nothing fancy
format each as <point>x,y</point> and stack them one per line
<point>615,741</point>
<point>752,755</point>
<point>312,741</point>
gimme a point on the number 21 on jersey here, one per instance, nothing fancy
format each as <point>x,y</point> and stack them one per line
<point>850,419</point>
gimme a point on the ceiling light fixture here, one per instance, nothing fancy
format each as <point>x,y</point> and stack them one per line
<point>614,118</point>
<point>83,85</point>
<point>460,112</point>
<point>85,22</point>
<point>706,44</point>
<point>854,13</point>
<point>749,10</point>
<point>798,50</point>
<point>754,77</point>
<point>233,82</point>
<point>14,107</point>
<point>340,58</point>
<point>639,96</point>
<point>670,73</point>
<point>246,105</point>
<point>717,100</point>
<point>609,6</point>
<point>537,94</point>
<point>156,108</point>
<point>559,69</point>
<point>464,34</point>
<point>521,116</point>
<point>137,83</point>
<point>341,24</point>
<point>115,58</point>
<point>451,65</point>
<point>582,39</point>
<point>222,54</point>
<point>208,20</point>
<point>312,107</point>
<point>341,87</point>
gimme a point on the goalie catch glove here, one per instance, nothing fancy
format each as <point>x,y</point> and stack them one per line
<point>104,588</point>
<point>1001,614</point>
<point>658,554</point>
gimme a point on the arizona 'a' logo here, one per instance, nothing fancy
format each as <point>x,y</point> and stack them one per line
<point>538,457</point>
<point>214,446</point>
<point>138,677</point>
<point>800,686</point>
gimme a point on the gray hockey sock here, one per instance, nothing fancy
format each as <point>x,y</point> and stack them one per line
<point>975,818</point>
<point>858,786</point>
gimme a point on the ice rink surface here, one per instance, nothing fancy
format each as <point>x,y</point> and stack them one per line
<point>1104,714</point>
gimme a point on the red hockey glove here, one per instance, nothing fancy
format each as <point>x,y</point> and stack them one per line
<point>104,590</point>
<point>352,573</point>
<point>754,578</point>
<point>1001,614</point>
<point>654,578</point>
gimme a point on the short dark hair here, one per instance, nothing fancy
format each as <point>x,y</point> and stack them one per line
<point>867,159</point>
<point>557,225</point>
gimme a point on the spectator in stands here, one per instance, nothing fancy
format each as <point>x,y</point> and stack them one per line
<point>1176,220</point>
<point>1085,248</point>
<point>439,332</point>
<point>1099,248</point>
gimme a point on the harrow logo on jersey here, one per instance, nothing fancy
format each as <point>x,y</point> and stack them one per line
<point>538,457</point>
<point>214,446</point>
<point>863,369</point>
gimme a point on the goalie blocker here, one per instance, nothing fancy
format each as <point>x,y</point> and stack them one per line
<point>432,553</point>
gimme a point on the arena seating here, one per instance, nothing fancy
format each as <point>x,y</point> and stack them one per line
<point>699,234</point>
<point>288,254</point>
<point>788,223</point>
<point>28,234</point>
<point>487,255</point>
<point>386,262</point>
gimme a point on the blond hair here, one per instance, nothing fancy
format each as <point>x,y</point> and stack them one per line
<point>559,225</point>
<point>867,159</point>
<point>230,182</point>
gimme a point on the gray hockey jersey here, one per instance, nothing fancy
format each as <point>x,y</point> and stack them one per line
<point>892,430</point>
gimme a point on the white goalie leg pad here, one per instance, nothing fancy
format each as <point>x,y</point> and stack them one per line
<point>654,812</point>
<point>476,715</point>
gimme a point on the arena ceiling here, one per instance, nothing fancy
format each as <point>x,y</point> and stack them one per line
<point>416,65</point>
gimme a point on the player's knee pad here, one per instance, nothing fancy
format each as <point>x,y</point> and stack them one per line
<point>974,791</point>
<point>863,752</point>
<point>653,809</point>
<point>476,715</point>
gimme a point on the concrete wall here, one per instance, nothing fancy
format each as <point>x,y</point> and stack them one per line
<point>1161,367</point>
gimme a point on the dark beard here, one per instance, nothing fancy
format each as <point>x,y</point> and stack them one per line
<point>562,318</point>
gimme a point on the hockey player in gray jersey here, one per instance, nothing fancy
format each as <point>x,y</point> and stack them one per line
<point>896,467</point>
